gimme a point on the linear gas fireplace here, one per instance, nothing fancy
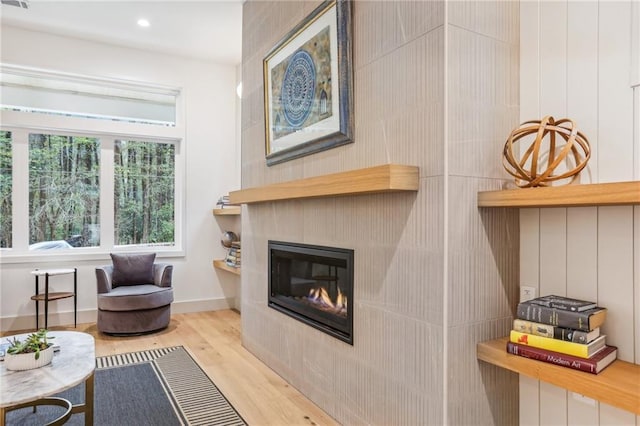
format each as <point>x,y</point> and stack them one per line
<point>313,284</point>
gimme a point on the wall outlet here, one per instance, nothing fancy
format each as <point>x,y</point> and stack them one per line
<point>527,293</point>
<point>584,399</point>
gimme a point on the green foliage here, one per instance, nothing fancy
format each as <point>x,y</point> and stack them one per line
<point>144,190</point>
<point>6,186</point>
<point>64,191</point>
<point>34,343</point>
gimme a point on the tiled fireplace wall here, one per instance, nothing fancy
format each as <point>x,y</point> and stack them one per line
<point>436,86</point>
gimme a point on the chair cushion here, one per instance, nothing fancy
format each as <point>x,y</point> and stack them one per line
<point>134,298</point>
<point>132,269</point>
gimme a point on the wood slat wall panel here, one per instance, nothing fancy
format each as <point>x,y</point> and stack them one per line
<point>529,276</point>
<point>582,252</point>
<point>575,63</point>
<point>582,222</point>
<point>582,85</point>
<point>582,249</point>
<point>552,101</point>
<point>553,251</point>
<point>582,282</point>
<point>553,280</point>
<point>615,96</point>
<point>553,59</point>
<point>615,276</point>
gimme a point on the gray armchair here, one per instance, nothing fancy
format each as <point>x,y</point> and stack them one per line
<point>134,294</point>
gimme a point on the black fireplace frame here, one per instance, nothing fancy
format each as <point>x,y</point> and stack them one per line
<point>336,327</point>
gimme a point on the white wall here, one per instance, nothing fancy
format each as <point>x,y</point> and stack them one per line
<point>576,63</point>
<point>211,170</point>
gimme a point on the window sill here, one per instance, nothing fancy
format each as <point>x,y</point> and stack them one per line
<point>80,254</point>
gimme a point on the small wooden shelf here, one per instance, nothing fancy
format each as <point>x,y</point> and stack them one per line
<point>227,211</point>
<point>53,296</point>
<point>617,385</point>
<point>221,264</point>
<point>385,178</point>
<point>594,194</point>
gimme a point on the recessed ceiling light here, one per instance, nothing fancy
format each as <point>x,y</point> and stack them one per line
<point>143,22</point>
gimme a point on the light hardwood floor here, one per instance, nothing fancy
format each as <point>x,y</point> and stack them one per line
<point>214,340</point>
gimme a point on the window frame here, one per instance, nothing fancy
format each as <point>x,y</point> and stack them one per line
<point>48,81</point>
<point>20,124</point>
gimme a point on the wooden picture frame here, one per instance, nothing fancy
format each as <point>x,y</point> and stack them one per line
<point>308,86</point>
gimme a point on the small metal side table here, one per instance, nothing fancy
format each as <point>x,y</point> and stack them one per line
<point>47,296</point>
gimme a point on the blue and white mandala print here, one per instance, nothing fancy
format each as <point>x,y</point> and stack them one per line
<point>298,87</point>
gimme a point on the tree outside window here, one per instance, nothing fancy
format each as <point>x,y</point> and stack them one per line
<point>144,174</point>
<point>74,167</point>
<point>6,186</point>
<point>64,191</point>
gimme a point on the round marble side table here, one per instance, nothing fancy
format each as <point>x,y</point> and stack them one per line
<point>73,364</point>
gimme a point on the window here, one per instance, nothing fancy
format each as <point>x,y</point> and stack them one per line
<point>64,191</point>
<point>144,193</point>
<point>6,186</point>
<point>89,191</point>
<point>71,184</point>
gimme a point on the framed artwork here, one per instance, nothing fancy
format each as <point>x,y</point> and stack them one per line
<point>308,86</point>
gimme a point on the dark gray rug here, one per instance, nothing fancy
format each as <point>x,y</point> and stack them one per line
<point>156,388</point>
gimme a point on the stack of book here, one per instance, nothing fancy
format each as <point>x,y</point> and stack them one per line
<point>223,202</point>
<point>562,331</point>
<point>234,257</point>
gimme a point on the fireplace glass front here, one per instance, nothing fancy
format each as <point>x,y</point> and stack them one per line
<point>313,284</point>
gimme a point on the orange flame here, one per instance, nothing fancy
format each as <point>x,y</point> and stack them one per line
<point>320,295</point>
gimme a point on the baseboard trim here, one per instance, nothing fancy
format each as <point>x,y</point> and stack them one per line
<point>28,322</point>
<point>189,306</point>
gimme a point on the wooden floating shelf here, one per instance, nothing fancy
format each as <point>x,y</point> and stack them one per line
<point>385,178</point>
<point>221,264</point>
<point>617,385</point>
<point>594,194</point>
<point>52,296</point>
<point>227,211</point>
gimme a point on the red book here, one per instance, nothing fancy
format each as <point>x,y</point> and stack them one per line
<point>593,365</point>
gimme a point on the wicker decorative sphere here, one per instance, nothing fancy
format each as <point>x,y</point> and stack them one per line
<point>533,169</point>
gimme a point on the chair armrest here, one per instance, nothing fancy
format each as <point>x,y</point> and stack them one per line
<point>162,274</point>
<point>103,276</point>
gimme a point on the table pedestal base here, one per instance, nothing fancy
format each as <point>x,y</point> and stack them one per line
<point>86,408</point>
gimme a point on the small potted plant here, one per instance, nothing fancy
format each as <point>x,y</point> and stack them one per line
<point>33,352</point>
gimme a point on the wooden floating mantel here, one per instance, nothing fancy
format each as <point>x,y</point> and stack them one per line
<point>385,178</point>
<point>594,194</point>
